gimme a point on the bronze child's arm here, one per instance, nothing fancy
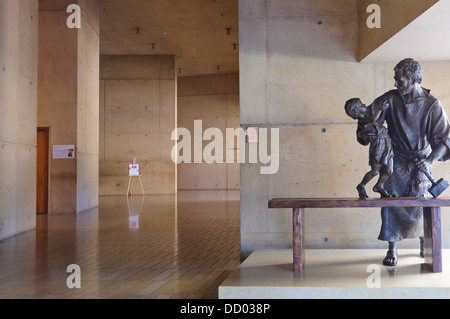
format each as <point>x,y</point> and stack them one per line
<point>376,116</point>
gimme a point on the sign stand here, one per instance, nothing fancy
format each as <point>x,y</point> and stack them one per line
<point>133,171</point>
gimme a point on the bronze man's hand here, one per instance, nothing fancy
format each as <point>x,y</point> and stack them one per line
<point>422,164</point>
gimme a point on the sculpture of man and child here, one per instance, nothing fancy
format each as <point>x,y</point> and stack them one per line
<point>416,136</point>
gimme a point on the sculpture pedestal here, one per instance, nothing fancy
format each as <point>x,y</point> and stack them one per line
<point>336,274</point>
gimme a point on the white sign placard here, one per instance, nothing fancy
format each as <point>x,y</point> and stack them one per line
<point>133,170</point>
<point>252,135</point>
<point>63,151</point>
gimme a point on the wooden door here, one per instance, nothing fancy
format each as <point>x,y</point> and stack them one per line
<point>42,171</point>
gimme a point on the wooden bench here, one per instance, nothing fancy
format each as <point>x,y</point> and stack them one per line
<point>431,221</point>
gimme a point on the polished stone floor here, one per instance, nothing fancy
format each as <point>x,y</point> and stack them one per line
<point>160,246</point>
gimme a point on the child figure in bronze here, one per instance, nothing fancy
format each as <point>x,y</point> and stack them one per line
<point>371,131</point>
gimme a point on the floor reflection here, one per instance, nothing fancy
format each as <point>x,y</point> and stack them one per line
<point>134,210</point>
<point>154,246</point>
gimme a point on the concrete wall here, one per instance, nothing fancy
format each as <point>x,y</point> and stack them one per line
<point>137,117</point>
<point>68,101</point>
<point>298,66</point>
<point>18,104</point>
<point>213,99</point>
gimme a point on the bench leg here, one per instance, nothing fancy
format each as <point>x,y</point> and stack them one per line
<point>298,237</point>
<point>432,238</point>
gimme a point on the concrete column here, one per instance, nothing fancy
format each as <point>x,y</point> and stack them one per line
<point>18,105</point>
<point>298,66</point>
<point>88,106</point>
<point>69,99</point>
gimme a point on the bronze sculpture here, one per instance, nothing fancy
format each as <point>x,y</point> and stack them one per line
<point>420,135</point>
<point>374,133</point>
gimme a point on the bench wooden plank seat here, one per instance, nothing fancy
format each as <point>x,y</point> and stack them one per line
<point>432,221</point>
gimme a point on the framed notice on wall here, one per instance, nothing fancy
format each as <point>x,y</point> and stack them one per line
<point>64,151</point>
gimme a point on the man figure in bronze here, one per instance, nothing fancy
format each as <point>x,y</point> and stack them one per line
<point>420,135</point>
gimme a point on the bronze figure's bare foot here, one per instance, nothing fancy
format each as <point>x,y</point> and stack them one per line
<point>361,191</point>
<point>381,190</point>
<point>390,259</point>
<point>422,253</point>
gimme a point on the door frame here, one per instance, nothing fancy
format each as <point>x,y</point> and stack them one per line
<point>47,205</point>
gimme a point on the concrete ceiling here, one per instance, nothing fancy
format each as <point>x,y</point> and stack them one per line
<point>195,31</point>
<point>427,38</point>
